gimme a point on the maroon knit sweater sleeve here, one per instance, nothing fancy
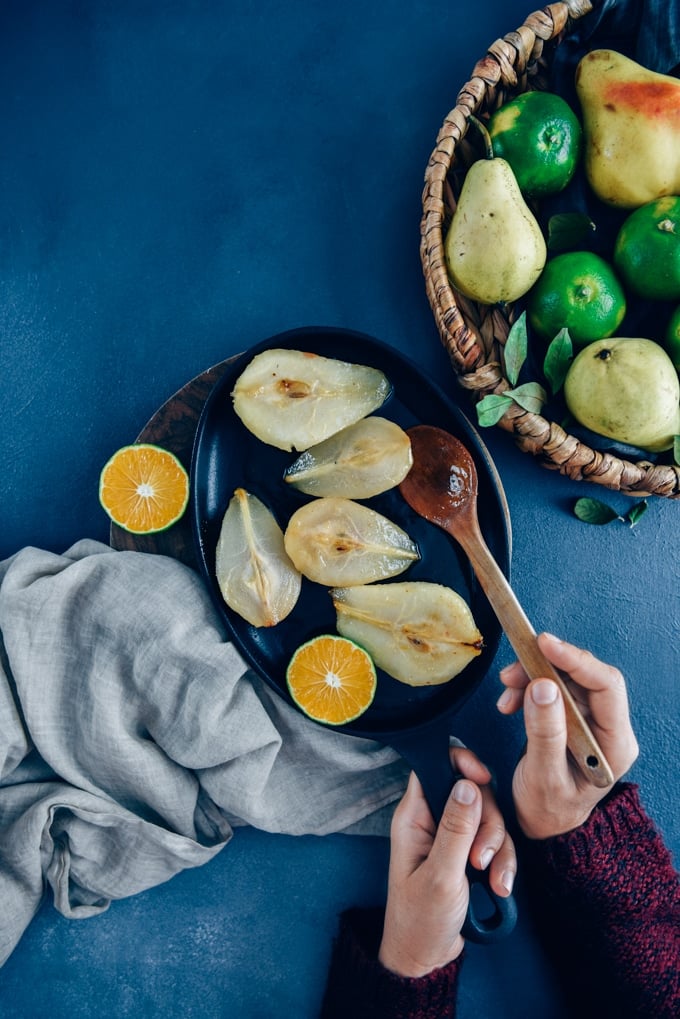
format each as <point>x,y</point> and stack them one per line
<point>606,900</point>
<point>359,987</point>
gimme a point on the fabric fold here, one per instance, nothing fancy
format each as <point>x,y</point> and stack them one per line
<point>133,737</point>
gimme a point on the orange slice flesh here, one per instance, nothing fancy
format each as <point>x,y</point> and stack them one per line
<point>144,488</point>
<point>331,679</point>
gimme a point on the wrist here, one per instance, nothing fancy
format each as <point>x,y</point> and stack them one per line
<point>375,990</point>
<point>612,804</point>
<point>549,824</point>
<point>405,962</point>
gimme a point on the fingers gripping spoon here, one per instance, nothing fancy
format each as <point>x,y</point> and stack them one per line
<point>442,487</point>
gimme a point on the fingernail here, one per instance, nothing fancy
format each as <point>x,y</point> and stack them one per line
<point>553,638</point>
<point>544,691</point>
<point>485,858</point>
<point>508,880</point>
<point>464,792</point>
<point>505,670</point>
<point>505,699</point>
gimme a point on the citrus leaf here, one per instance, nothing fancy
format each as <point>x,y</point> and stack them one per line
<point>558,358</point>
<point>568,230</point>
<point>491,409</point>
<point>531,396</point>
<point>515,351</point>
<point>592,511</point>
<point>636,511</point>
<point>676,448</point>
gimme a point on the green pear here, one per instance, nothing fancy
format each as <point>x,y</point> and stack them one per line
<point>631,125</point>
<point>494,247</point>
<point>627,389</point>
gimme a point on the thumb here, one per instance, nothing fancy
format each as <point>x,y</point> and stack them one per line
<point>456,832</point>
<point>412,830</point>
<point>546,728</point>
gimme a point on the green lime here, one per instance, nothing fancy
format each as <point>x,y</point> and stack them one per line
<point>672,338</point>
<point>578,291</point>
<point>647,250</point>
<point>540,136</point>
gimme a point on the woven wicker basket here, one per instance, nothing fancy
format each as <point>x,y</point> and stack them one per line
<point>474,334</point>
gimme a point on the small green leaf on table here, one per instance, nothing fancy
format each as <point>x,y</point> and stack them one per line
<point>636,511</point>
<point>592,511</point>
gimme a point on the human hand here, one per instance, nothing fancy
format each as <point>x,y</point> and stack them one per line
<point>550,793</point>
<point>428,891</point>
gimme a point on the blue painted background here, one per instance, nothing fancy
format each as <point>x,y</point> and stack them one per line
<point>177,182</point>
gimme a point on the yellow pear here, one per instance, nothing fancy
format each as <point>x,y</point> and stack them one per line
<point>294,399</point>
<point>627,389</point>
<point>418,632</point>
<point>631,124</point>
<point>494,247</point>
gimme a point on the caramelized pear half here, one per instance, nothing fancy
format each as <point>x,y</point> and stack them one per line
<point>293,400</point>
<point>339,542</point>
<point>254,573</point>
<point>361,461</point>
<point>420,633</point>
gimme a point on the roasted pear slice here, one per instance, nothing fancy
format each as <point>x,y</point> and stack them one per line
<point>420,633</point>
<point>361,461</point>
<point>254,573</point>
<point>293,400</point>
<point>339,542</point>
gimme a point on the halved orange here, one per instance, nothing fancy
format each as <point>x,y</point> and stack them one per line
<point>144,488</point>
<point>331,679</point>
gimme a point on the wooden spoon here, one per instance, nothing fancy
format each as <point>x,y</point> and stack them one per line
<point>442,487</point>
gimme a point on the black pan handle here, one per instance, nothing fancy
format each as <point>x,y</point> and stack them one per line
<point>490,917</point>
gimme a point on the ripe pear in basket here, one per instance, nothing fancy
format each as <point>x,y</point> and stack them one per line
<point>474,325</point>
<point>492,216</point>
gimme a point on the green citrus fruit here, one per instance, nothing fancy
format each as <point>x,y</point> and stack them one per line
<point>578,291</point>
<point>540,136</point>
<point>672,338</point>
<point>647,250</point>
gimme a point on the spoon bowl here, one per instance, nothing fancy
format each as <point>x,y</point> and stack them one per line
<point>442,483</point>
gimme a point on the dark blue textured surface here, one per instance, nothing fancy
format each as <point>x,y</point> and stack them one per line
<point>177,182</point>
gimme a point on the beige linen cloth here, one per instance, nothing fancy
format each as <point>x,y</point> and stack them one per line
<point>133,738</point>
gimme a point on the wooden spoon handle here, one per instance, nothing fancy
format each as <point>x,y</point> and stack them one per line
<point>582,745</point>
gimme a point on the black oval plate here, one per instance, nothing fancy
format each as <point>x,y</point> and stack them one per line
<point>226,456</point>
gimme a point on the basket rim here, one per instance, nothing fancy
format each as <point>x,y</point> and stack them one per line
<point>513,62</point>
